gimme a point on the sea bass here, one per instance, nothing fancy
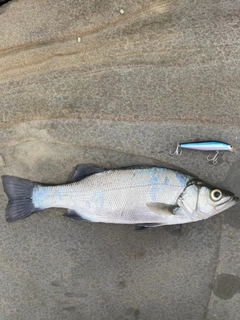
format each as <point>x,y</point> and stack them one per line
<point>148,197</point>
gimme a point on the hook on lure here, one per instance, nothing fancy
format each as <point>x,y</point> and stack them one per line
<point>205,146</point>
<point>214,159</point>
<point>176,152</point>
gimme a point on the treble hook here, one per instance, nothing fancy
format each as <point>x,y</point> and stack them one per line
<point>213,159</point>
<point>176,152</point>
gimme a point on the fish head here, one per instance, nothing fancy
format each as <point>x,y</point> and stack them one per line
<point>201,201</point>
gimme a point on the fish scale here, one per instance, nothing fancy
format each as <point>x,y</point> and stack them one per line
<point>145,196</point>
<point>117,196</point>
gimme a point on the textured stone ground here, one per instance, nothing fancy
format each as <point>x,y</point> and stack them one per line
<point>115,84</point>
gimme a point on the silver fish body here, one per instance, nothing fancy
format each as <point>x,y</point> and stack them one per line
<point>117,196</point>
<point>146,196</point>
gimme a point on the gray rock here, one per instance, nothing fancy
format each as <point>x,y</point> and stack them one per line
<point>115,84</point>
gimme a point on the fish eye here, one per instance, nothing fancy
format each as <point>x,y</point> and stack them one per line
<point>216,195</point>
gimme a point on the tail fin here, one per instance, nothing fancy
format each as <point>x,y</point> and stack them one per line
<point>19,192</point>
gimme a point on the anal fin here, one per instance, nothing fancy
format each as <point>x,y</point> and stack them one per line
<point>73,215</point>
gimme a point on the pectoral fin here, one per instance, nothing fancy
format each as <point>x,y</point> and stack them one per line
<point>162,208</point>
<point>176,227</point>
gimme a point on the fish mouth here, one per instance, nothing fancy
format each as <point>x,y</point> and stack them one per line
<point>228,203</point>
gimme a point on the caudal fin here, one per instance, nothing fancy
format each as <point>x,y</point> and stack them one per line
<point>19,192</point>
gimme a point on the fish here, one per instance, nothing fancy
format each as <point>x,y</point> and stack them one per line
<point>144,196</point>
<point>205,146</point>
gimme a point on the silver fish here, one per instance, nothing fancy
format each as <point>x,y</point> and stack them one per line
<point>148,197</point>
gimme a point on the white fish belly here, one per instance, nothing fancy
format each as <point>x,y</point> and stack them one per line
<point>116,196</point>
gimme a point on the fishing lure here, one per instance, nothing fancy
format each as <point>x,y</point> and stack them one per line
<point>205,146</point>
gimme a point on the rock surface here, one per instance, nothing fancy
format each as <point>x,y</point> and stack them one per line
<point>115,84</point>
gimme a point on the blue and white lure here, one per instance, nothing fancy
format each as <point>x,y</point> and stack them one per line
<point>205,146</point>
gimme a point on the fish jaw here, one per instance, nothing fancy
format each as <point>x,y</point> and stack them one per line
<point>230,202</point>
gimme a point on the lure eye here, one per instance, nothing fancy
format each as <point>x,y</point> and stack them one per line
<point>216,195</point>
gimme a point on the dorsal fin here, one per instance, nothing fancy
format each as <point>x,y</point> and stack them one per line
<point>83,170</point>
